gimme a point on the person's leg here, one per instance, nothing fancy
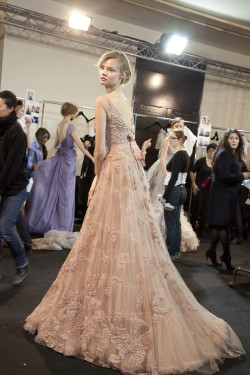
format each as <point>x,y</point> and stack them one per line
<point>170,220</point>
<point>196,211</point>
<point>224,235</point>
<point>211,252</point>
<point>23,231</point>
<point>203,214</point>
<point>1,245</point>
<point>9,215</point>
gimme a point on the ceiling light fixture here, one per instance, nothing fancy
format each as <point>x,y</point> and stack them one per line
<point>175,44</point>
<point>79,21</point>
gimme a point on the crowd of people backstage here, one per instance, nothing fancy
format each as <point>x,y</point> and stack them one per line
<point>222,207</point>
<point>64,202</point>
<point>49,205</point>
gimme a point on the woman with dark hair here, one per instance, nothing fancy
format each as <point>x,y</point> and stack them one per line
<point>225,193</point>
<point>13,183</point>
<point>201,170</point>
<point>38,150</point>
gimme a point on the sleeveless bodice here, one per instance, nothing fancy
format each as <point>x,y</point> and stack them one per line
<point>68,141</point>
<point>117,131</point>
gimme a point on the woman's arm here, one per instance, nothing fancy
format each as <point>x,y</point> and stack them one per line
<point>194,186</point>
<point>100,138</point>
<point>146,144</point>
<point>164,152</point>
<point>80,145</point>
<point>27,124</point>
<point>222,168</point>
<point>56,143</point>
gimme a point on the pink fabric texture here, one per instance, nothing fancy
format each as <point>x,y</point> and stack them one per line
<point>118,300</point>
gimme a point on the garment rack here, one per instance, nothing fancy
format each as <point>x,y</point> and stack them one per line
<point>59,103</point>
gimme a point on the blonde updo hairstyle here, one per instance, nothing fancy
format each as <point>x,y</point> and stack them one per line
<point>175,120</point>
<point>123,60</point>
<point>68,108</point>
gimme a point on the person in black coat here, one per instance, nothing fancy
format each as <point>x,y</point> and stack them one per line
<point>200,171</point>
<point>13,181</point>
<point>225,193</point>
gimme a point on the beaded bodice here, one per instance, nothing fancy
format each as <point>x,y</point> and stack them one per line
<point>117,131</point>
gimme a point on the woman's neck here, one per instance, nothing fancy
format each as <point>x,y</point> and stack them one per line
<point>114,90</point>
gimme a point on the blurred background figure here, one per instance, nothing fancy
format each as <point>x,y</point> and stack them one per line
<point>13,182</point>
<point>200,171</point>
<point>38,150</point>
<point>225,191</point>
<point>84,181</point>
<point>51,205</point>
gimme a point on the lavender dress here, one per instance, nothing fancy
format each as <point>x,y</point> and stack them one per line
<point>51,204</point>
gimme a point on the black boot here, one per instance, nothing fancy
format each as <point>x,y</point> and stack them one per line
<point>21,274</point>
<point>212,255</point>
<point>227,260</point>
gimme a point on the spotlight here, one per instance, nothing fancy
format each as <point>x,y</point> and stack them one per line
<point>173,43</point>
<point>79,21</point>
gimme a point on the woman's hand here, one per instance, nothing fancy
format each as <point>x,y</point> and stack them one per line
<point>27,122</point>
<point>35,166</point>
<point>195,189</point>
<point>146,145</point>
<point>246,175</point>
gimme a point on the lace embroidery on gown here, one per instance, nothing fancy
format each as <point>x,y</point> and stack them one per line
<point>118,301</point>
<point>189,240</point>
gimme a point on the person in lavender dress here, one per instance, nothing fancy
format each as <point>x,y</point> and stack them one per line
<point>52,198</point>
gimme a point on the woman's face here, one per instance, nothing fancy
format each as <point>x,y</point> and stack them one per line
<point>73,116</point>
<point>44,139</point>
<point>178,126</point>
<point>233,141</point>
<point>173,140</point>
<point>87,144</point>
<point>4,110</point>
<point>210,153</point>
<point>109,73</point>
<point>20,113</point>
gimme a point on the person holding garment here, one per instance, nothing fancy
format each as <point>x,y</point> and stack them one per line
<point>51,205</point>
<point>175,192</point>
<point>118,301</point>
<point>225,194</point>
<point>38,150</point>
<point>189,241</point>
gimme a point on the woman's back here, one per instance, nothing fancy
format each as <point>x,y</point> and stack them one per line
<point>63,134</point>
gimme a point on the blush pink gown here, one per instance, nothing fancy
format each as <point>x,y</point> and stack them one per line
<point>118,300</point>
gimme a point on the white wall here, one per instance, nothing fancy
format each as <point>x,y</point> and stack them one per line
<point>59,74</point>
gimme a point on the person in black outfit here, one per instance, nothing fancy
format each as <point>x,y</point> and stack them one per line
<point>175,191</point>
<point>200,171</point>
<point>13,181</point>
<point>225,193</point>
<point>84,181</point>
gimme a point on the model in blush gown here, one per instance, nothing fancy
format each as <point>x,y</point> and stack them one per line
<point>118,300</point>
